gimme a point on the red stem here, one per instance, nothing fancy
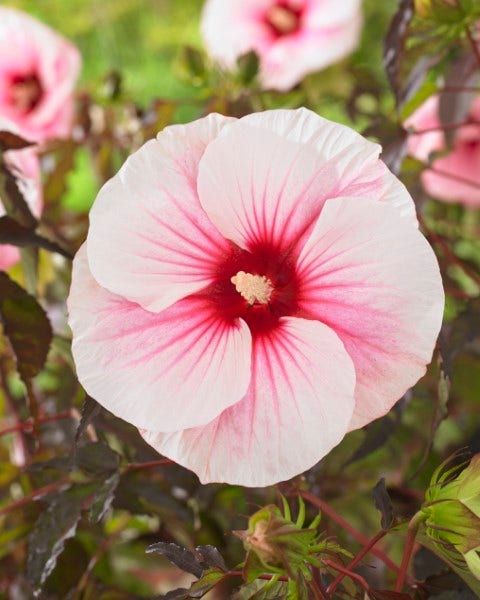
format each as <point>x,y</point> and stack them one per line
<point>347,573</point>
<point>149,465</point>
<point>353,532</point>
<point>459,178</point>
<point>365,550</point>
<point>35,495</point>
<point>408,550</point>
<point>28,424</point>
<point>445,127</point>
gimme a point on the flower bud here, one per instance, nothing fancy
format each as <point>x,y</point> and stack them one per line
<point>452,511</point>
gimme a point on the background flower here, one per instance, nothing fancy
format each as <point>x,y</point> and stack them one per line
<point>244,380</point>
<point>38,71</point>
<point>291,37</point>
<point>456,174</point>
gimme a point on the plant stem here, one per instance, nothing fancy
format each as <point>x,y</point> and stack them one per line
<point>365,550</point>
<point>324,507</point>
<point>408,550</point>
<point>162,462</point>
<point>346,572</point>
<point>27,425</point>
<point>35,495</point>
<point>444,127</point>
<point>474,44</point>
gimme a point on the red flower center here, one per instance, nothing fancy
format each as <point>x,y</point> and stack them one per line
<point>283,18</point>
<point>263,266</point>
<point>25,92</point>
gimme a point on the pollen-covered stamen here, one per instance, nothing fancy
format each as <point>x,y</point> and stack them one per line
<point>254,288</point>
<point>282,20</point>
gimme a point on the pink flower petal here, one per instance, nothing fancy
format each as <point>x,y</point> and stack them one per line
<point>297,409</point>
<point>232,28</point>
<point>265,178</point>
<point>149,239</point>
<point>373,279</point>
<point>287,61</point>
<point>457,175</point>
<point>425,118</point>
<point>177,369</point>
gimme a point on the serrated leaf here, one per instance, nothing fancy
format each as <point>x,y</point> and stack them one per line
<point>383,503</point>
<point>211,557</point>
<point>104,497</point>
<point>96,458</point>
<point>377,434</point>
<point>89,411</point>
<point>13,201</point>
<point>57,523</point>
<point>459,565</point>
<point>181,557</point>
<point>27,327</point>
<point>454,106</point>
<point>209,580</point>
<point>394,45</point>
<point>262,590</point>
<point>253,567</point>
<point>12,232</point>
<point>12,141</point>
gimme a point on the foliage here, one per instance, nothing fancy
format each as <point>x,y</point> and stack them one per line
<point>87,509</point>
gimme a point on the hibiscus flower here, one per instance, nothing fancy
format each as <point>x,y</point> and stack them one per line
<point>291,37</point>
<point>38,71</point>
<point>250,290</point>
<point>454,175</point>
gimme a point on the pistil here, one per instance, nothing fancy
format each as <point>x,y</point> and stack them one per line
<point>25,93</point>
<point>282,20</point>
<point>254,288</point>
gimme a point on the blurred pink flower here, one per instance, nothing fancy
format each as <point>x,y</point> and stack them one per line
<point>252,289</point>
<point>291,37</point>
<point>38,71</point>
<point>456,174</point>
<point>25,165</point>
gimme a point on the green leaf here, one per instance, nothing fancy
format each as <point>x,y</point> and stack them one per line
<point>454,560</point>
<point>26,326</point>
<point>248,65</point>
<point>96,458</point>
<point>104,497</point>
<point>12,141</point>
<point>211,557</point>
<point>180,557</point>
<point>55,525</point>
<point>209,579</point>
<point>12,232</point>
<point>383,503</point>
<point>13,200</point>
<point>89,411</point>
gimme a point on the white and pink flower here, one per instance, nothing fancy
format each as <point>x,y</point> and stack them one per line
<point>250,290</point>
<point>291,37</point>
<point>38,72</point>
<point>454,175</point>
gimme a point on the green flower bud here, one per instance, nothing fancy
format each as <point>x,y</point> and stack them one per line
<point>451,512</point>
